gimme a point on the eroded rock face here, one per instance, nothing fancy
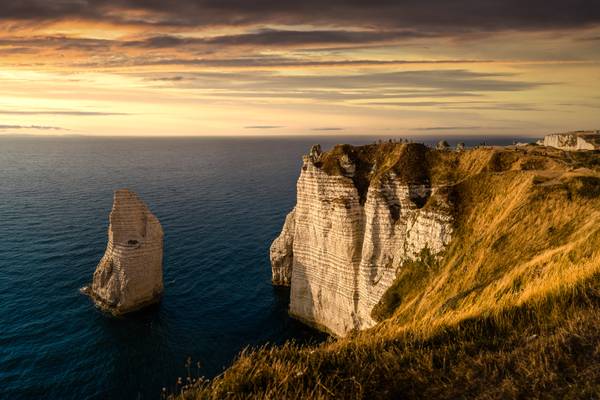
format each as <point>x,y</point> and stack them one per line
<point>326,247</point>
<point>343,255</point>
<point>397,229</point>
<point>129,275</point>
<point>282,253</point>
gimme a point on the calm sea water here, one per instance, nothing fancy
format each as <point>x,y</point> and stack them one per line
<point>221,203</point>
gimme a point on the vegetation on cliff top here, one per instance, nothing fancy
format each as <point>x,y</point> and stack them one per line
<point>510,309</point>
<point>409,162</point>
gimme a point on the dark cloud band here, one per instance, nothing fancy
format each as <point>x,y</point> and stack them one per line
<point>423,15</point>
<point>31,127</point>
<point>73,113</point>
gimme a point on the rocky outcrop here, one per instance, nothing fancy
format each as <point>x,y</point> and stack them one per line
<point>442,145</point>
<point>353,227</point>
<point>572,141</point>
<point>129,275</point>
<point>315,153</point>
<point>282,253</point>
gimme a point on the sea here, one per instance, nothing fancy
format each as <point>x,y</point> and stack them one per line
<point>221,202</point>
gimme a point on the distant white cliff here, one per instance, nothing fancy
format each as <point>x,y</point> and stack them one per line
<point>572,141</point>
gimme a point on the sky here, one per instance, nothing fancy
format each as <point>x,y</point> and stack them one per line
<point>277,67</point>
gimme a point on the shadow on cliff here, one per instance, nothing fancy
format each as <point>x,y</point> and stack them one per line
<point>304,306</point>
<point>299,331</point>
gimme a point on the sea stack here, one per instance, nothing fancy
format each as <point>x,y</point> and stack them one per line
<point>129,275</point>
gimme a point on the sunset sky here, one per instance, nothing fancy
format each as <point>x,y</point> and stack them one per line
<point>238,67</point>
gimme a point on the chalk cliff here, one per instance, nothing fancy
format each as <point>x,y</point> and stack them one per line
<point>580,140</point>
<point>129,275</point>
<point>361,212</point>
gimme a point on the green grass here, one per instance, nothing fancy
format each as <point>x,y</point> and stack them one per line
<point>411,281</point>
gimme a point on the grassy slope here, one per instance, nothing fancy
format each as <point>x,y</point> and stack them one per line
<point>511,309</point>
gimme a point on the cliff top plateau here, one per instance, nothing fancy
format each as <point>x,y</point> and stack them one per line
<point>415,163</point>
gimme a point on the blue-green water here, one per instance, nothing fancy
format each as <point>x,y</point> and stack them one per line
<point>221,203</point>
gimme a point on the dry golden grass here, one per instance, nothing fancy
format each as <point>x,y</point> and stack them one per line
<point>510,310</point>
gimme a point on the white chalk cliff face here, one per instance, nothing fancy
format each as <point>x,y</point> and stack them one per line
<point>573,141</point>
<point>129,275</point>
<point>340,256</point>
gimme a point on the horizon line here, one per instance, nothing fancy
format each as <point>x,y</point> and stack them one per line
<point>437,134</point>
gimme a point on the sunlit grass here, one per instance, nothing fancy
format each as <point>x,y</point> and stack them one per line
<point>511,309</point>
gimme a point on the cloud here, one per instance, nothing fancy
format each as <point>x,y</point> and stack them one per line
<point>281,38</point>
<point>328,129</point>
<point>497,107</point>
<point>264,127</point>
<point>195,51</point>
<point>169,79</point>
<point>249,50</point>
<point>375,90</point>
<point>60,112</point>
<point>6,51</point>
<point>423,15</point>
<point>368,84</point>
<point>448,128</point>
<point>275,61</point>
<point>60,42</point>
<point>461,105</point>
<point>410,103</point>
<point>587,105</point>
<point>34,127</point>
<point>460,128</point>
<point>590,39</point>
